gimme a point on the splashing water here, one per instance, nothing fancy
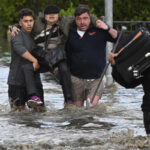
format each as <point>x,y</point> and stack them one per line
<point>115,124</point>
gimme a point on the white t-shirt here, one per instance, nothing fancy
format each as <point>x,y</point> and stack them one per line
<point>81,33</point>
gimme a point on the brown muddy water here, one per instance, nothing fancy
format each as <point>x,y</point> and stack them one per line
<point>115,124</point>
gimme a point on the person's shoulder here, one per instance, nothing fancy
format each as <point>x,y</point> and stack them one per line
<point>38,26</point>
<point>18,36</point>
<point>66,20</point>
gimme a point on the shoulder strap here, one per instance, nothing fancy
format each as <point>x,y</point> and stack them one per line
<point>49,36</point>
<point>47,39</point>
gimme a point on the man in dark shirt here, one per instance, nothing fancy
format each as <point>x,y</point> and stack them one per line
<point>21,46</point>
<point>87,55</point>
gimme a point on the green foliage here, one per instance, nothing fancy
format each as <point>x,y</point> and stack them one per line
<point>8,11</point>
<point>123,10</point>
<point>69,11</point>
<point>131,10</point>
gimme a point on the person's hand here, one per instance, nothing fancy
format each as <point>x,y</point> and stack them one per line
<point>56,73</point>
<point>111,57</point>
<point>15,30</point>
<point>100,24</point>
<point>56,69</point>
<point>36,65</point>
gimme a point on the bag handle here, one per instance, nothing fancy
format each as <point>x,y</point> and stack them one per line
<point>133,39</point>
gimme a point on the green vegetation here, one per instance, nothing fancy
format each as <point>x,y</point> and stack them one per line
<point>123,10</point>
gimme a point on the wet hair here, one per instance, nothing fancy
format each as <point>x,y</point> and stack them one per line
<point>81,9</point>
<point>25,12</point>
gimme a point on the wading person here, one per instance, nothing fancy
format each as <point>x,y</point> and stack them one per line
<point>21,46</point>
<point>50,35</point>
<point>86,52</point>
<point>49,51</point>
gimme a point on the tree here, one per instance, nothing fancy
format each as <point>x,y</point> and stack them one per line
<point>132,10</point>
<point>9,11</point>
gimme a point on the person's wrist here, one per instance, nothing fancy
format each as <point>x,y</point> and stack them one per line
<point>35,61</point>
<point>108,28</point>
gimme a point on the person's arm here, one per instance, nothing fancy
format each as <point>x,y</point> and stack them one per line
<point>27,55</point>
<point>64,24</point>
<point>94,20</point>
<point>37,28</point>
<point>100,24</point>
<point>113,32</point>
<point>17,43</point>
<point>111,57</point>
<point>15,29</point>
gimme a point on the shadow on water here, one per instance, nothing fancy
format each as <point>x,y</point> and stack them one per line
<point>88,123</point>
<point>36,120</point>
<point>65,118</point>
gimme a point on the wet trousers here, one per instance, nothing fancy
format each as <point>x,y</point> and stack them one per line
<point>146,101</point>
<point>18,95</point>
<point>64,78</point>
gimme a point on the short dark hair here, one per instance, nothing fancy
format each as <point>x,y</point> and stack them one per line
<point>81,9</point>
<point>25,12</point>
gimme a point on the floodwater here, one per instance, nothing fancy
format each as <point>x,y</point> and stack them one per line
<point>115,124</point>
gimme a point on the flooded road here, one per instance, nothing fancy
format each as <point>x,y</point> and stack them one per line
<point>115,124</point>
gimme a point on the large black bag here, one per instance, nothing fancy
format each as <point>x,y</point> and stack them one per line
<point>55,56</point>
<point>51,57</point>
<point>38,52</point>
<point>132,61</point>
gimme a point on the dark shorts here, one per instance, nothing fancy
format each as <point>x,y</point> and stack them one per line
<point>17,95</point>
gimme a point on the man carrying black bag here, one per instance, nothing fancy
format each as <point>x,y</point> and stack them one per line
<point>141,66</point>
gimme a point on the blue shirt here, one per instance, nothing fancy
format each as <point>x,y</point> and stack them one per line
<point>87,55</point>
